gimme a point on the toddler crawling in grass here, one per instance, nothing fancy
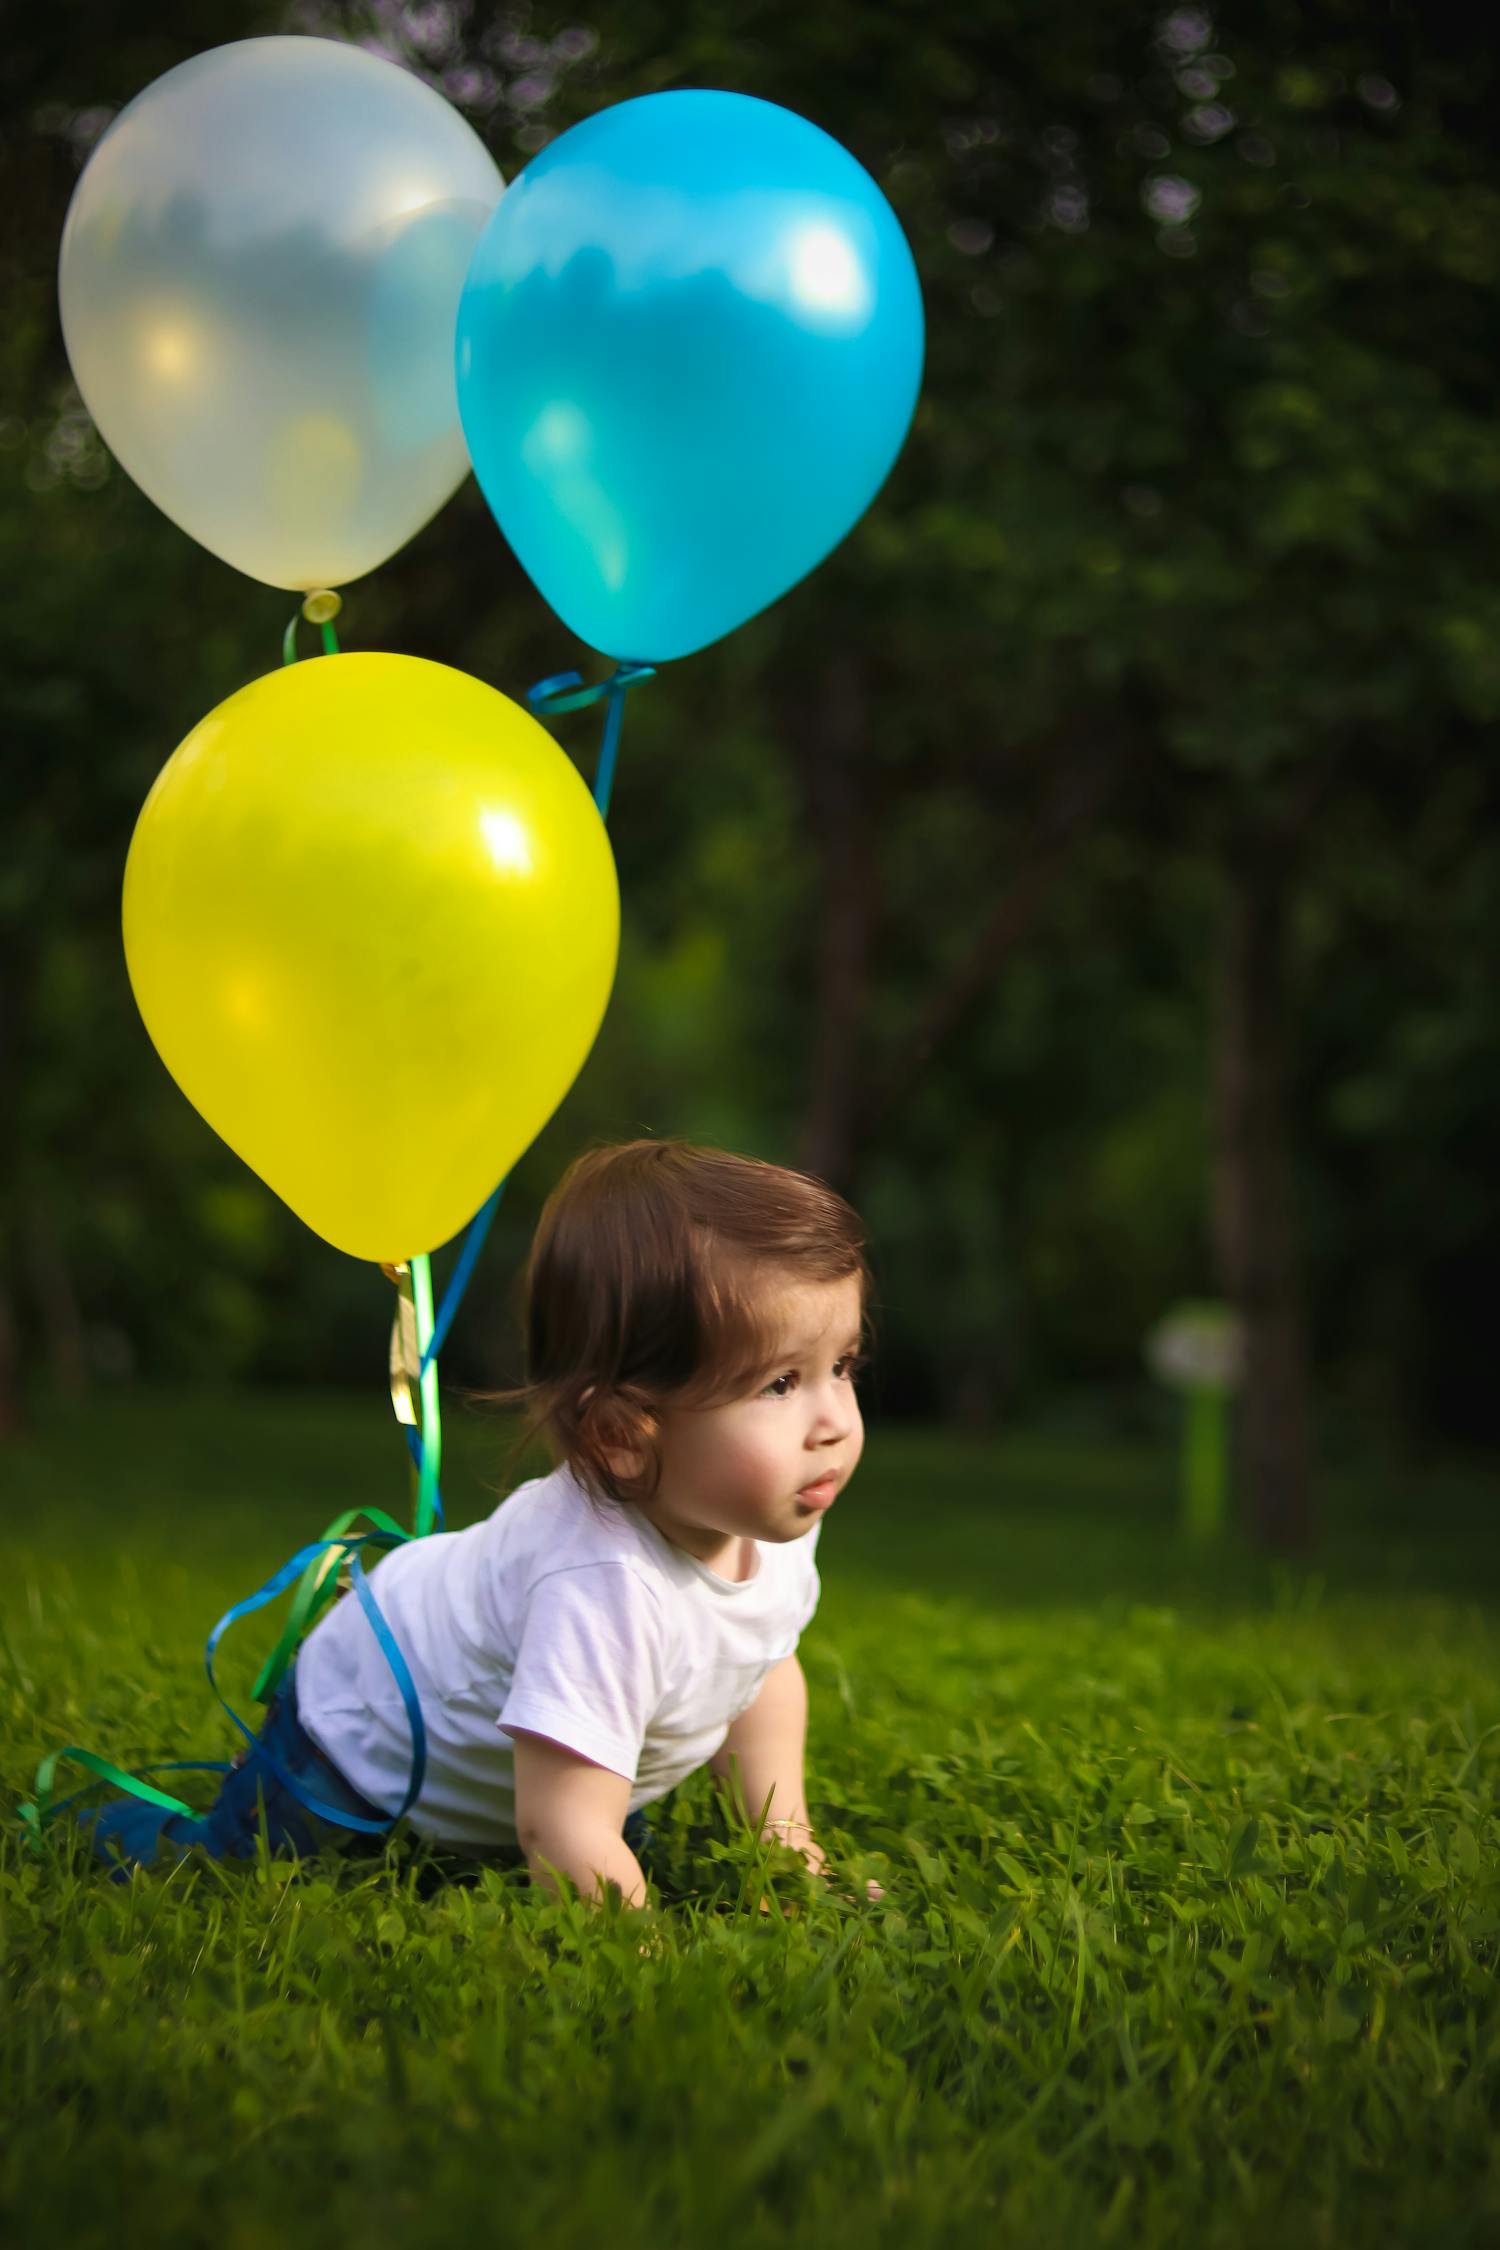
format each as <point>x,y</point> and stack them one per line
<point>693,1330</point>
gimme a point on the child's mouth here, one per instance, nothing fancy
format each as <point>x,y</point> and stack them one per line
<point>818,1496</point>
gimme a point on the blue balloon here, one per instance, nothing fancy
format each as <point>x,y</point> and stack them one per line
<point>689,349</point>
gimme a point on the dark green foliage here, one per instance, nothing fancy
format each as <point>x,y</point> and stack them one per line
<point>1193,543</point>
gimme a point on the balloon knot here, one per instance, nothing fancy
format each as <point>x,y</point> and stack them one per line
<point>322,606</point>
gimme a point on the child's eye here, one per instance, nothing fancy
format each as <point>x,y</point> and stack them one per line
<point>851,1364</point>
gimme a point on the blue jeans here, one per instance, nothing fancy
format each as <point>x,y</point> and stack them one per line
<point>133,1832</point>
<point>142,1834</point>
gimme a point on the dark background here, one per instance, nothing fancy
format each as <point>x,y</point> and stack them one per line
<point>1091,868</point>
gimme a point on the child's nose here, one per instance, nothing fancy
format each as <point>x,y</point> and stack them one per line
<point>836,1410</point>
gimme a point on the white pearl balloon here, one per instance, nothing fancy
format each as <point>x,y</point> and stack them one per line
<point>259,282</point>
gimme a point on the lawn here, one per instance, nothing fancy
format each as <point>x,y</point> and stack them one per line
<point>1193,1874</point>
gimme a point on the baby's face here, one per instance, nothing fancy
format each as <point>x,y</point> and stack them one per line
<point>742,1470</point>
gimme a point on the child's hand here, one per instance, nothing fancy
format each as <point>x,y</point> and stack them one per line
<point>874,1892</point>
<point>817,1867</point>
<point>802,1845</point>
<point>873,1895</point>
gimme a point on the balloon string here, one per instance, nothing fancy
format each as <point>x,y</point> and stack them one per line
<point>468,1258</point>
<point>564,691</point>
<point>430,1428</point>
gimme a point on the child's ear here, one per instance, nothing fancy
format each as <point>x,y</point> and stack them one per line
<point>624,1461</point>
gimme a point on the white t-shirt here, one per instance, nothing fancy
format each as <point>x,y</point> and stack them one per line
<point>579,1622</point>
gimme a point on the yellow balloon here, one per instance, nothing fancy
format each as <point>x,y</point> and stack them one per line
<point>371,921</point>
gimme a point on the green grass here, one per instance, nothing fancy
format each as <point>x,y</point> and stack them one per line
<point>1193,1874</point>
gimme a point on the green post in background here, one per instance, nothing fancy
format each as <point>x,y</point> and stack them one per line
<point>1196,1349</point>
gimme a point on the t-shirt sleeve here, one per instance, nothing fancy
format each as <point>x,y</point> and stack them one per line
<point>591,1666</point>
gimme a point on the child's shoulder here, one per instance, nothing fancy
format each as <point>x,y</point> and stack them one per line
<point>553,1513</point>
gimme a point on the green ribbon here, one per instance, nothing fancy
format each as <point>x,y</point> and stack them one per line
<point>431,1433</point>
<point>318,1587</point>
<point>35,1815</point>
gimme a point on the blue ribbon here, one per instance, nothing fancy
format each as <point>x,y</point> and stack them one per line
<point>564,691</point>
<point>276,1584</point>
<point>468,1258</point>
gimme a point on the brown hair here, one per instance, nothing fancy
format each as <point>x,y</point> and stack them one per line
<point>646,1285</point>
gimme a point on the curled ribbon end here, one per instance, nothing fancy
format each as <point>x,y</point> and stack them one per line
<point>565,691</point>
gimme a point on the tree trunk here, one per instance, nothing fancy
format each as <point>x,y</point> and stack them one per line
<point>1078,794</point>
<point>18,964</point>
<point>830,732</point>
<point>1254,1223</point>
<point>57,1301</point>
<point>11,1417</point>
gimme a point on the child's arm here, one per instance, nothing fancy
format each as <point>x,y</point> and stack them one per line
<point>768,1741</point>
<point>569,1814</point>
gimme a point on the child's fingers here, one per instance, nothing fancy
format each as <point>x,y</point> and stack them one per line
<point>874,1892</point>
<point>790,1910</point>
